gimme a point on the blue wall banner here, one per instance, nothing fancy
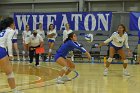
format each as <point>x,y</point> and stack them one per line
<point>77,20</point>
<point>134,23</point>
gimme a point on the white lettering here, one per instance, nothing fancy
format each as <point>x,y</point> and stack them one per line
<point>76,18</point>
<point>86,22</point>
<point>22,19</point>
<point>101,18</point>
<point>35,20</point>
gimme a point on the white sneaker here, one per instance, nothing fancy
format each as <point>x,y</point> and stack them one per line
<point>126,73</point>
<point>106,72</point>
<point>59,80</point>
<point>66,78</point>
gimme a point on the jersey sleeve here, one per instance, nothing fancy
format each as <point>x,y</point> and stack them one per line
<point>126,41</point>
<point>9,43</point>
<point>77,46</point>
<point>109,39</point>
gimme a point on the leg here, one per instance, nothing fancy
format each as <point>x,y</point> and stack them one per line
<point>61,61</point>
<point>109,60</point>
<point>17,50</point>
<point>70,65</point>
<point>31,54</point>
<point>37,59</point>
<point>125,61</point>
<point>111,54</point>
<point>7,68</point>
<point>123,57</point>
<point>50,49</point>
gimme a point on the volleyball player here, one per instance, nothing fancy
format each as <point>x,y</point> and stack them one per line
<point>65,36</point>
<point>60,57</point>
<point>117,41</point>
<point>35,41</point>
<point>15,45</point>
<point>6,33</point>
<point>51,34</point>
<point>41,32</point>
<point>26,37</point>
<point>138,50</point>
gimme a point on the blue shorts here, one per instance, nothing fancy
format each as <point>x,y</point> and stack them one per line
<point>116,48</point>
<point>3,52</point>
<point>58,56</point>
<point>14,40</point>
<point>51,41</point>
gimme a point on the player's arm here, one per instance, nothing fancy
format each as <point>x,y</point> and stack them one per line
<point>106,41</point>
<point>82,49</point>
<point>9,43</point>
<point>126,44</point>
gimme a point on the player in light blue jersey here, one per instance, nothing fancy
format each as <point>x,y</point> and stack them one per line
<point>60,57</point>
<point>6,33</point>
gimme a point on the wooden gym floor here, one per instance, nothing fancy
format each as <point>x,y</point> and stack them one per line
<point>88,78</point>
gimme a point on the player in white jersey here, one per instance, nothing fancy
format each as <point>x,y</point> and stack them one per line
<point>15,45</point>
<point>26,38</point>
<point>36,41</point>
<point>51,34</point>
<point>6,33</point>
<point>66,32</point>
<point>40,31</point>
<point>117,41</point>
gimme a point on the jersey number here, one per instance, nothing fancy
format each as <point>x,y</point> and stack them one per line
<point>2,33</point>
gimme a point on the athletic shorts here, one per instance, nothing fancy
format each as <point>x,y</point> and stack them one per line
<point>3,52</point>
<point>58,56</point>
<point>14,40</point>
<point>116,48</point>
<point>51,41</point>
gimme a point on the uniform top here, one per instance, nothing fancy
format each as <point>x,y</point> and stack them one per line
<point>51,32</point>
<point>118,41</point>
<point>15,34</point>
<point>139,37</point>
<point>26,35</point>
<point>69,46</point>
<point>6,39</point>
<point>65,34</point>
<point>35,41</point>
<point>41,33</point>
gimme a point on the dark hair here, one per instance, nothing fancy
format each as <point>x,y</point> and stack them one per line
<point>69,37</point>
<point>50,25</point>
<point>123,27</point>
<point>6,23</point>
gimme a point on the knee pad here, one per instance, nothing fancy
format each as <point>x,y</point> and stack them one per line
<point>11,75</point>
<point>50,50</point>
<point>125,61</point>
<point>65,68</point>
<point>109,60</point>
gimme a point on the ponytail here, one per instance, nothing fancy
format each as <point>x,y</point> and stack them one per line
<point>6,23</point>
<point>69,37</point>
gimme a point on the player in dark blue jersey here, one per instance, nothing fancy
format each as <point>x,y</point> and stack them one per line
<point>60,57</point>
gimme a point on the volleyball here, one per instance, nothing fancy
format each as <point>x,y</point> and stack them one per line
<point>89,37</point>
